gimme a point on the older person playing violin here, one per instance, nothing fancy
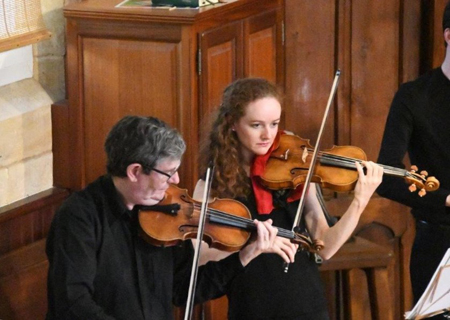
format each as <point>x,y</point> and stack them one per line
<point>243,131</point>
<point>100,268</point>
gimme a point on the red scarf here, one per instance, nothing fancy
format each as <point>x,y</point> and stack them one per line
<point>263,196</point>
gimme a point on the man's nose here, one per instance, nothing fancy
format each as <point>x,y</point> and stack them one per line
<point>175,178</point>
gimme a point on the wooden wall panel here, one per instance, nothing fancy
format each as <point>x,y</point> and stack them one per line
<point>24,226</point>
<point>410,39</point>
<point>373,69</point>
<point>101,94</point>
<point>221,63</point>
<point>116,84</point>
<point>310,66</point>
<point>433,49</point>
<point>438,43</point>
<point>28,220</point>
<point>261,36</point>
<point>23,283</point>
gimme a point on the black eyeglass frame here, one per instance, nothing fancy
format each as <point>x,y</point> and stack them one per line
<point>168,175</point>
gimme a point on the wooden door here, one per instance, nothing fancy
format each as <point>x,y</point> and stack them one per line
<point>221,62</point>
<point>263,46</point>
<point>115,69</point>
<point>125,77</point>
<point>251,47</point>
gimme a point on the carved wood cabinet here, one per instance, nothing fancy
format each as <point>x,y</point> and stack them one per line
<point>172,64</point>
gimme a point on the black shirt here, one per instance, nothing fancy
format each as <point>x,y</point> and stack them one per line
<point>418,123</point>
<point>265,291</point>
<point>101,269</point>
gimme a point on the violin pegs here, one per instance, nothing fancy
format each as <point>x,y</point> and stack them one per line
<point>424,173</point>
<point>412,188</point>
<point>422,192</point>
<point>414,168</point>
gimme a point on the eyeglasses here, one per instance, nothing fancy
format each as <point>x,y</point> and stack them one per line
<point>167,174</point>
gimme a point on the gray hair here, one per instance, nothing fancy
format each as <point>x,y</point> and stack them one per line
<point>143,140</point>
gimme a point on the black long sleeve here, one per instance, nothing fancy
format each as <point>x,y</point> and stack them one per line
<point>100,268</point>
<point>418,124</point>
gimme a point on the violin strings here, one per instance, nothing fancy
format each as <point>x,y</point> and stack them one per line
<point>248,223</point>
<point>349,162</point>
<point>227,218</point>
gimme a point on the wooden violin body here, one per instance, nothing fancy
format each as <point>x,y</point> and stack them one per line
<point>228,223</point>
<point>335,168</point>
<point>169,228</point>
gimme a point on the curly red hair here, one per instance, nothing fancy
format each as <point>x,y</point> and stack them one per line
<point>221,148</point>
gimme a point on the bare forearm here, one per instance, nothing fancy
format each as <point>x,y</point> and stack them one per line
<point>337,235</point>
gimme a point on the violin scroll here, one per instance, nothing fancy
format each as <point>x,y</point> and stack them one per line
<point>421,181</point>
<point>318,245</point>
<point>306,243</point>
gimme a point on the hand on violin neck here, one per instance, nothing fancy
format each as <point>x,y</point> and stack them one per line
<point>266,241</point>
<point>369,179</point>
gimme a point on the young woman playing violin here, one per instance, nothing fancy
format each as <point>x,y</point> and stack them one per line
<point>243,132</point>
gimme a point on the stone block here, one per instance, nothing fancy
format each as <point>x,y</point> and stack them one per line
<point>28,177</point>
<point>25,122</point>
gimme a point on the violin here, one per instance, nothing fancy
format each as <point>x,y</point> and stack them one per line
<point>288,165</point>
<point>228,223</point>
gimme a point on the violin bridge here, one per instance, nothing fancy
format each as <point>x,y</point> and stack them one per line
<point>305,155</point>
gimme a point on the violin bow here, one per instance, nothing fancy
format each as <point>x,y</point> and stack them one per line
<point>201,228</point>
<point>307,182</point>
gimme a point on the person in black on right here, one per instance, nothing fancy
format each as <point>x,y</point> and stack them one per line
<point>418,124</point>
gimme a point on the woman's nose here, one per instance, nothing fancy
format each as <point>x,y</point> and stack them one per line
<point>266,133</point>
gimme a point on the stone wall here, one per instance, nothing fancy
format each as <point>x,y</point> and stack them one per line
<point>25,141</point>
<point>25,120</point>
